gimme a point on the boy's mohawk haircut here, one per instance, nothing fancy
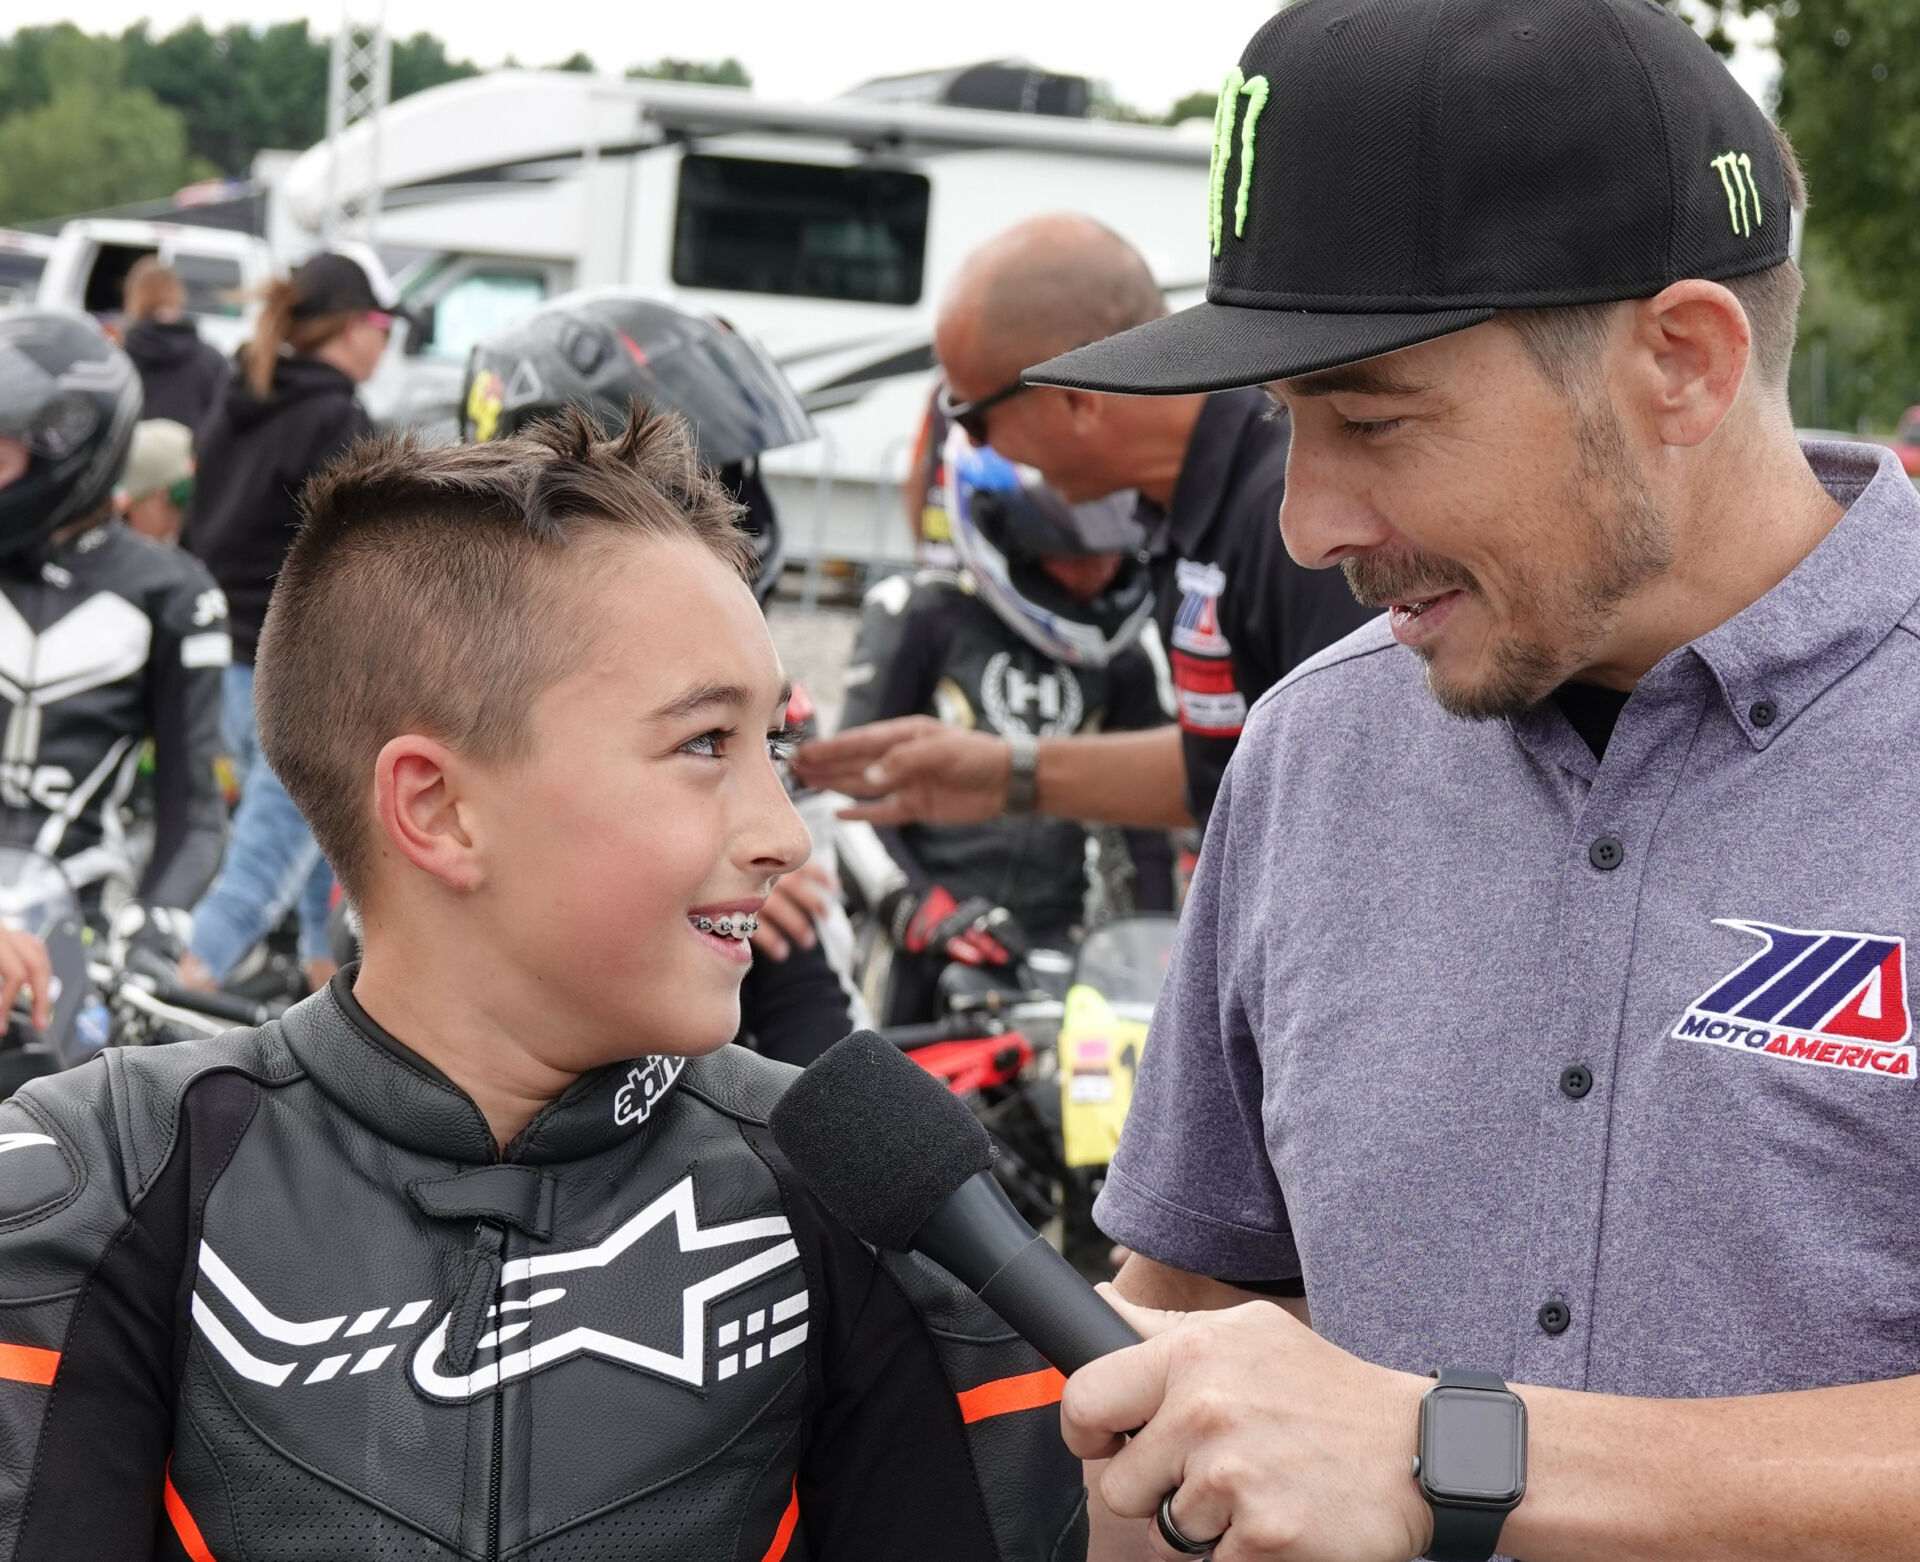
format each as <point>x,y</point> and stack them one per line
<point>426,593</point>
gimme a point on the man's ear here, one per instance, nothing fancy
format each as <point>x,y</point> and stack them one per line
<point>1693,345</point>
<point>417,796</point>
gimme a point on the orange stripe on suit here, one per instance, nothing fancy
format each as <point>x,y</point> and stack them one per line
<point>1003,1396</point>
<point>28,1364</point>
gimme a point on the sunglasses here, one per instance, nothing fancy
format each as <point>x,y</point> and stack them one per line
<point>970,416</point>
<point>379,320</point>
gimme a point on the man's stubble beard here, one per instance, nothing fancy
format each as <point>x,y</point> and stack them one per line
<point>1559,621</point>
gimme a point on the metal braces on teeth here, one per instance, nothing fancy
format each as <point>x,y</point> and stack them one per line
<point>740,924</point>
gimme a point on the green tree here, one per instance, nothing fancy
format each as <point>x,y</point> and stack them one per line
<point>421,62</point>
<point>1195,105</point>
<point>578,61</point>
<point>93,141</point>
<point>715,73</point>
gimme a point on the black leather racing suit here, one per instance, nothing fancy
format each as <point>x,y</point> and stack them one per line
<point>105,642</point>
<point>275,1296</point>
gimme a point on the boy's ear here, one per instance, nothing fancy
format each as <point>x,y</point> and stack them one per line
<point>416,796</point>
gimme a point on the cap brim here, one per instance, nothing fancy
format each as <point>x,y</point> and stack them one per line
<point>1214,347</point>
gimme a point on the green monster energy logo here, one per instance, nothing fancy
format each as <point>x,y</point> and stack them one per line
<point>1736,178</point>
<point>1254,89</point>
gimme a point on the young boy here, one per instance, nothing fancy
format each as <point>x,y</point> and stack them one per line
<point>484,1251</point>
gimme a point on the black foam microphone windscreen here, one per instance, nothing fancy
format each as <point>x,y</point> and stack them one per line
<point>879,1140</point>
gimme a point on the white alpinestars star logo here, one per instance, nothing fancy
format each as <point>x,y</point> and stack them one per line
<point>522,1336</point>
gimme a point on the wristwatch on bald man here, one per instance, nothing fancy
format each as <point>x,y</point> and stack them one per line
<point>1023,765</point>
<point>1472,1465</point>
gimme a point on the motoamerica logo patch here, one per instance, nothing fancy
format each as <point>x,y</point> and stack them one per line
<point>1835,1000</point>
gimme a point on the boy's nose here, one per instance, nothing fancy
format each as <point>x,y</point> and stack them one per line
<point>780,840</point>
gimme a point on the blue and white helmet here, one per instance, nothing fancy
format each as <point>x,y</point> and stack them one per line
<point>1005,519</point>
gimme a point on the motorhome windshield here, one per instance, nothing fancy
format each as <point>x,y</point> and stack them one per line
<point>751,226</point>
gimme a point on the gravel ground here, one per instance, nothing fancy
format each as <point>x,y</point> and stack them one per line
<point>815,646</point>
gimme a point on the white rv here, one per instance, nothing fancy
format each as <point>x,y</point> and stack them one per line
<point>827,230</point>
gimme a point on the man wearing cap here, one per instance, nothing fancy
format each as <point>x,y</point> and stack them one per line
<point>1542,1007</point>
<point>152,493</point>
<point>1235,613</point>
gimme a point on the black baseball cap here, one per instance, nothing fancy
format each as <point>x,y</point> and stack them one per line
<point>334,284</point>
<point>1390,171</point>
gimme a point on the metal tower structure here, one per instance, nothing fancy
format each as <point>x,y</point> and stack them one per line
<point>359,80</point>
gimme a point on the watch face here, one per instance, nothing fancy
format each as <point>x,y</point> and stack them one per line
<point>1473,1445</point>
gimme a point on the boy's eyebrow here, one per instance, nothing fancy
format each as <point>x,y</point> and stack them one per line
<point>706,695</point>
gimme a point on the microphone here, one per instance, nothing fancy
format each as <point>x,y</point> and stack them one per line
<point>898,1159</point>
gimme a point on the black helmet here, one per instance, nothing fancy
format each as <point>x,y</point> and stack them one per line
<point>72,398</point>
<point>605,349</point>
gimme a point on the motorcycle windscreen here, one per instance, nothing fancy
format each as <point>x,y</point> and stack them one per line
<point>1117,980</point>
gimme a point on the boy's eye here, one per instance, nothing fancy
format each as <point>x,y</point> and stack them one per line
<point>709,745</point>
<point>781,742</point>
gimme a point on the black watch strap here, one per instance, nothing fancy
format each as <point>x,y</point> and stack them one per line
<point>1466,1534</point>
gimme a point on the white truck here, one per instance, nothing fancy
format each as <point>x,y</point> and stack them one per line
<point>828,230</point>
<point>85,267</point>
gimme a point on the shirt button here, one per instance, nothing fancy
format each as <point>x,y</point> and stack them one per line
<point>1576,1081</point>
<point>1607,853</point>
<point>1762,713</point>
<point>1554,1317</point>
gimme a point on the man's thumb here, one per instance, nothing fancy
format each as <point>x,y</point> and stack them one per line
<point>1147,1321</point>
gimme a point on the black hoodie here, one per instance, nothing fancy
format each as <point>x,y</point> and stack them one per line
<point>256,453</point>
<point>181,375</point>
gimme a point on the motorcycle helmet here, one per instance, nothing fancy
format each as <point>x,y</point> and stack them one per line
<point>604,349</point>
<point>1004,520</point>
<point>72,398</point>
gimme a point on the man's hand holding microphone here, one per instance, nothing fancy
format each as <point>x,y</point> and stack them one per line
<point>1253,1429</point>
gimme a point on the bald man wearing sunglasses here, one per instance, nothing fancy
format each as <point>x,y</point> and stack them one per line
<point>1236,614</point>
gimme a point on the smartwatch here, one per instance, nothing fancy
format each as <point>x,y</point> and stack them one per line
<point>1472,1465</point>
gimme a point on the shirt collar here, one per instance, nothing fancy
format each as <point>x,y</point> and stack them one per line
<point>1838,604</point>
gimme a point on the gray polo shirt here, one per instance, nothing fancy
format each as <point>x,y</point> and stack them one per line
<point>1596,1074</point>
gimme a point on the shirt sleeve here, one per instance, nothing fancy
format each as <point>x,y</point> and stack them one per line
<point>1191,1185</point>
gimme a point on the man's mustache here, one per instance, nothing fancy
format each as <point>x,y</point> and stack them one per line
<point>1381,579</point>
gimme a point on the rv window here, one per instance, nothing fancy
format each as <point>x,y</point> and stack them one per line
<point>212,283</point>
<point>107,280</point>
<point>478,305</point>
<point>748,226</point>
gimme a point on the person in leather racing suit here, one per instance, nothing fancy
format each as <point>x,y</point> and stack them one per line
<point>484,1250</point>
<point>107,639</point>
<point>605,350</point>
<point>1045,631</point>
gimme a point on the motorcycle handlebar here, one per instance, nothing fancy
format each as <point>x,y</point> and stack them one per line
<point>955,1027</point>
<point>219,1006</point>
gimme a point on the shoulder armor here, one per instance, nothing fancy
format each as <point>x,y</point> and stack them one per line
<point>142,1088</point>
<point>738,1082</point>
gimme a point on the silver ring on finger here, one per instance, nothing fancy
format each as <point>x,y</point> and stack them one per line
<point>1170,1531</point>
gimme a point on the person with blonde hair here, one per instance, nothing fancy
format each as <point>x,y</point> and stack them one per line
<point>181,376</point>
<point>288,413</point>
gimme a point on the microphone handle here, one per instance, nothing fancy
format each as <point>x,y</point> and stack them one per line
<point>1048,1302</point>
<point>980,1239</point>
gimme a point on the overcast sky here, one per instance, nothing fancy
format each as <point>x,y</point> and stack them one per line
<point>1151,53</point>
